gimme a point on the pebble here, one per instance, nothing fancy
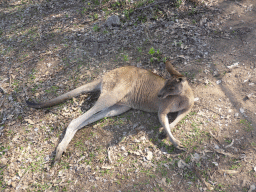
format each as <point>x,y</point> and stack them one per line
<point>113,21</point>
<point>218,82</point>
<point>196,99</point>
<point>252,188</point>
<point>149,156</point>
<point>241,110</point>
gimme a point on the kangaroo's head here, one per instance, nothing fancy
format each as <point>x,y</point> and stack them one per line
<point>174,85</point>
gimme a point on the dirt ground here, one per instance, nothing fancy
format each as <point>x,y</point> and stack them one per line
<point>50,47</point>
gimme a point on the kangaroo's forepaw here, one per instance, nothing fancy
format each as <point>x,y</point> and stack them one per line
<point>178,145</point>
<point>181,147</point>
<point>59,152</point>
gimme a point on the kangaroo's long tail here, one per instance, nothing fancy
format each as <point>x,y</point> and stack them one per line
<point>90,87</point>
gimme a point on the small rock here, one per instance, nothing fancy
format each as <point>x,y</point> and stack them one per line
<point>252,188</point>
<point>196,99</point>
<point>149,156</point>
<point>215,163</point>
<point>135,125</point>
<point>216,146</point>
<point>60,174</point>
<point>182,164</point>
<point>218,82</point>
<point>241,110</point>
<point>113,21</point>
<point>47,158</point>
<point>195,157</point>
<point>234,65</point>
<point>167,166</point>
<point>255,168</point>
<point>4,161</point>
<point>123,148</point>
<point>215,73</point>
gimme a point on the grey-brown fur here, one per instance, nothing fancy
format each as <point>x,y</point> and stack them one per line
<point>130,87</point>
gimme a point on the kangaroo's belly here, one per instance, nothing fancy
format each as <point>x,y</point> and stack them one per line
<point>144,96</point>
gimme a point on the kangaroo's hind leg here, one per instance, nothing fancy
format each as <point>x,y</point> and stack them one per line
<point>109,112</point>
<point>103,103</point>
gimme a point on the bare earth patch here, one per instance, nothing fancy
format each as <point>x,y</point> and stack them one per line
<point>50,47</point>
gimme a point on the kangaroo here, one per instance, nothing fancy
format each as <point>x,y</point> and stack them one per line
<point>128,88</point>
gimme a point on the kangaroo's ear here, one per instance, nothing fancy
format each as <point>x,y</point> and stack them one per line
<point>171,69</point>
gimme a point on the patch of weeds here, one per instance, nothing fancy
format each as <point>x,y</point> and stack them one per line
<point>148,172</point>
<point>118,182</point>
<point>219,187</point>
<point>103,172</point>
<point>121,160</point>
<point>127,13</point>
<point>253,144</point>
<point>187,160</point>
<point>65,165</point>
<point>248,125</point>
<point>192,12</point>
<point>2,148</point>
<point>236,164</point>
<point>178,3</point>
<point>179,43</point>
<point>228,141</point>
<point>84,11</point>
<point>96,2</point>
<point>95,16</point>
<point>142,19</point>
<point>125,57</point>
<point>139,49</point>
<point>96,28</point>
<point>32,74</point>
<point>53,89</point>
<point>192,113</point>
<point>15,85</point>
<point>168,180</point>
<point>139,3</point>
<point>155,54</point>
<point>35,87</point>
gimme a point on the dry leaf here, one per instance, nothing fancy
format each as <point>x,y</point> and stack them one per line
<point>30,121</point>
